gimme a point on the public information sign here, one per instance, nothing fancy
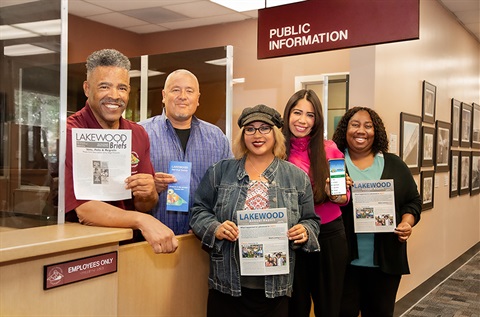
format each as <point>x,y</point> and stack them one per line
<point>322,25</point>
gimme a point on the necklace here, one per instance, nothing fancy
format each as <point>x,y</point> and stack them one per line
<point>260,175</point>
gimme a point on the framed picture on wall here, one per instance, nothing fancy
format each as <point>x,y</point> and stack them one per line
<point>428,102</point>
<point>428,146</point>
<point>465,125</point>
<point>426,189</point>
<point>454,168</point>
<point>476,126</point>
<point>410,126</point>
<point>475,173</point>
<point>442,141</point>
<point>464,172</point>
<point>455,121</point>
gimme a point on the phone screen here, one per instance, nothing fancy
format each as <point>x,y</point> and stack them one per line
<point>338,184</point>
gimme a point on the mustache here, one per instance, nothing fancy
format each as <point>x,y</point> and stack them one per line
<point>111,100</point>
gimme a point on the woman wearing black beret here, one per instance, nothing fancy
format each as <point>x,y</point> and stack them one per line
<point>258,178</point>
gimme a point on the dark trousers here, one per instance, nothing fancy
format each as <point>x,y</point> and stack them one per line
<point>369,291</point>
<point>252,303</point>
<point>319,276</point>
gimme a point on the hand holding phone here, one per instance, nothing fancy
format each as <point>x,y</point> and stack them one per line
<point>338,183</point>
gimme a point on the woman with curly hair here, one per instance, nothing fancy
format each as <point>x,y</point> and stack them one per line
<point>377,260</point>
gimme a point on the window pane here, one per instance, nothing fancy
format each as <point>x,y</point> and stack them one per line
<point>29,115</point>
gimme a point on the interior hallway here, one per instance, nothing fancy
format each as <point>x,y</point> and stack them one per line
<point>453,291</point>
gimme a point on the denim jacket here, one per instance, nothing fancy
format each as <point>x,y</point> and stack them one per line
<point>223,191</point>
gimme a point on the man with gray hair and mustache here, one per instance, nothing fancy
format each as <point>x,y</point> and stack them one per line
<point>107,89</point>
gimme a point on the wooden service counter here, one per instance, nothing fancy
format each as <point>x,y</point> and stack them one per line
<point>145,284</point>
<point>167,285</point>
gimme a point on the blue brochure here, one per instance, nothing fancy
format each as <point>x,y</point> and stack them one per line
<point>178,193</point>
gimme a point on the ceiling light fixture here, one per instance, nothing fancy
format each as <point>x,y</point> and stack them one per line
<point>25,50</point>
<point>217,62</point>
<point>7,3</point>
<point>243,5</point>
<point>44,28</point>
<point>136,73</point>
<point>238,80</point>
<point>8,32</point>
<point>31,29</point>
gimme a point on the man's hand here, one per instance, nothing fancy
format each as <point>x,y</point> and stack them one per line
<point>142,185</point>
<point>159,236</point>
<point>99,213</point>
<point>162,180</point>
<point>145,195</point>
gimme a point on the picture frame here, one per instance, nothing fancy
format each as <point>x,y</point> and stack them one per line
<point>475,126</point>
<point>442,141</point>
<point>464,173</point>
<point>455,121</point>
<point>474,173</point>
<point>410,129</point>
<point>454,175</point>
<point>427,146</point>
<point>429,97</point>
<point>427,184</point>
<point>465,125</point>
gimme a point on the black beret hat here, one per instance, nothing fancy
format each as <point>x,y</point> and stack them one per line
<point>260,113</point>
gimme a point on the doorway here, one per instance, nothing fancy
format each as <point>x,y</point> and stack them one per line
<point>332,89</point>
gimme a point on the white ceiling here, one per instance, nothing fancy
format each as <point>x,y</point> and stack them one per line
<point>148,16</point>
<point>467,13</point>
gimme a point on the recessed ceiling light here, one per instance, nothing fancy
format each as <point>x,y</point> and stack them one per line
<point>248,5</point>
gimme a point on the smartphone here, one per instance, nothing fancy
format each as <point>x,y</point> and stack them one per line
<point>338,182</point>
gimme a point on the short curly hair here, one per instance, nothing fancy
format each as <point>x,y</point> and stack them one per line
<point>107,57</point>
<point>380,142</point>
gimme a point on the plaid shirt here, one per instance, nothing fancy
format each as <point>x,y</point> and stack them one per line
<point>206,145</point>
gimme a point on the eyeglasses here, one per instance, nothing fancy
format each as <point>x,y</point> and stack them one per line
<point>264,129</point>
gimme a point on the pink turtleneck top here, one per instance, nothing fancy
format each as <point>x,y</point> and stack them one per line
<point>327,211</point>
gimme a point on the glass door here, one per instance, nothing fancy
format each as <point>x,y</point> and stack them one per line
<point>32,63</point>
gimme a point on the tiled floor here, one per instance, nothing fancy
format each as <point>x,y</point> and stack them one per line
<point>458,295</point>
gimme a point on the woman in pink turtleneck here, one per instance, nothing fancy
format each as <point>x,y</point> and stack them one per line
<point>318,277</point>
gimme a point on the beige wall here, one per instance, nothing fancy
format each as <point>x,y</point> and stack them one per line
<point>386,77</point>
<point>448,57</point>
<point>85,36</point>
<point>269,81</point>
